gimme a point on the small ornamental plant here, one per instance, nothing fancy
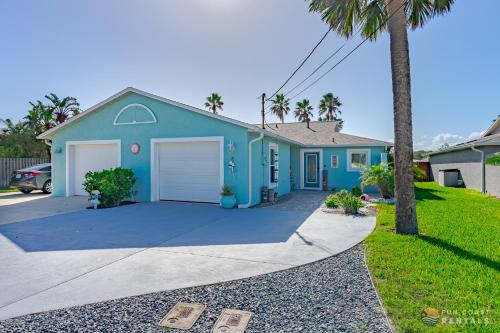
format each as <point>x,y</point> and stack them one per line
<point>227,191</point>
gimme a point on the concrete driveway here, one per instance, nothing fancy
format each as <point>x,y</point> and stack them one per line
<point>17,206</point>
<point>87,256</point>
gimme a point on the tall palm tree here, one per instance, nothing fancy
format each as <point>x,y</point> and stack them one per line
<point>280,107</point>
<point>63,108</point>
<point>373,17</point>
<point>214,102</point>
<point>303,111</point>
<point>329,106</point>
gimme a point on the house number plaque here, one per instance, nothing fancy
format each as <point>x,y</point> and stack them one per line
<point>135,148</point>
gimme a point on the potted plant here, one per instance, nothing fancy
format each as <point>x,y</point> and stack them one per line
<point>227,199</point>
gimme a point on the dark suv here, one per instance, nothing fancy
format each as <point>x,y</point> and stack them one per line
<point>38,177</point>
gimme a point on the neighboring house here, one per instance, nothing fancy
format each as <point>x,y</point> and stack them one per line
<point>179,152</point>
<point>469,159</point>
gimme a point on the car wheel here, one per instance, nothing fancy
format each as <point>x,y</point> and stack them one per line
<point>47,187</point>
<point>26,190</point>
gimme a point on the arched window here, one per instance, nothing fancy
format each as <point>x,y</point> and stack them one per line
<point>134,114</point>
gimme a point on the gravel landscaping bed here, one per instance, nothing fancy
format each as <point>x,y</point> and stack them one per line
<point>331,295</point>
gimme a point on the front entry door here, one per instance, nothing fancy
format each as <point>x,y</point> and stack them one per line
<point>311,170</point>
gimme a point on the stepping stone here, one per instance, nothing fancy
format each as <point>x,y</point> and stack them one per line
<point>182,316</point>
<point>232,321</point>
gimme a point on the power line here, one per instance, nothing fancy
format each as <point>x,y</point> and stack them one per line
<point>348,54</point>
<point>301,64</point>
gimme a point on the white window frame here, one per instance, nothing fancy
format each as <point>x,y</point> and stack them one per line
<point>273,145</point>
<point>337,161</point>
<point>358,151</point>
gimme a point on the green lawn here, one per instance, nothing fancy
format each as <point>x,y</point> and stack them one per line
<point>453,266</point>
<point>6,190</point>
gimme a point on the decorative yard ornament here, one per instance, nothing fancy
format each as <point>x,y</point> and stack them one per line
<point>232,165</point>
<point>95,195</point>
<point>135,148</point>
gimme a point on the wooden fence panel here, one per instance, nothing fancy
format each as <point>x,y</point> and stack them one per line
<point>9,165</point>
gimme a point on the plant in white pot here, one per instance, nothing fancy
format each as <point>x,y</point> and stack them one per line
<point>227,199</point>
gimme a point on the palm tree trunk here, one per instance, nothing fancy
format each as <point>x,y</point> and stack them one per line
<point>406,217</point>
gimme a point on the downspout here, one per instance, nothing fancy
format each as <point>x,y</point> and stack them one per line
<point>250,171</point>
<point>48,143</point>
<point>483,179</point>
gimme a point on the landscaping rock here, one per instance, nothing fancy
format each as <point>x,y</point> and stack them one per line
<point>331,295</point>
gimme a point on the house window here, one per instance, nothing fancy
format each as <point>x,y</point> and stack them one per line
<point>334,161</point>
<point>358,159</point>
<point>273,165</point>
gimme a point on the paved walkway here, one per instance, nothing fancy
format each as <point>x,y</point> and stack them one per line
<point>89,256</point>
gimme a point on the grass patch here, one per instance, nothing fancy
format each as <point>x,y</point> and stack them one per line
<point>453,266</point>
<point>7,190</point>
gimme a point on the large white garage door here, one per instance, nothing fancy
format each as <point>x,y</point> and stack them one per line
<point>90,157</point>
<point>189,171</point>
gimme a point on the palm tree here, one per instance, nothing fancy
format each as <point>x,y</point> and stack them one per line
<point>373,17</point>
<point>303,111</point>
<point>40,117</point>
<point>280,107</point>
<point>214,102</point>
<point>329,106</point>
<point>63,108</point>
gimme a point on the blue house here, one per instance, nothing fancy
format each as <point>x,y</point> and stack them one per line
<point>179,152</point>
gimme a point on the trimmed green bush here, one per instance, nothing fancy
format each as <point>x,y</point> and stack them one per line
<point>331,201</point>
<point>356,191</point>
<point>344,199</point>
<point>114,184</point>
<point>493,160</point>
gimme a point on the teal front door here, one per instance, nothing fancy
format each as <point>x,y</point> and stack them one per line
<point>311,170</point>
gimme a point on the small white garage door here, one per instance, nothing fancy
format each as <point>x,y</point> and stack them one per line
<point>189,171</point>
<point>89,157</point>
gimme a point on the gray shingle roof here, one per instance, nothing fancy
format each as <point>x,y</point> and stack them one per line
<point>320,134</point>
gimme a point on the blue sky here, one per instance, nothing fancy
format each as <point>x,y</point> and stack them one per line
<point>184,50</point>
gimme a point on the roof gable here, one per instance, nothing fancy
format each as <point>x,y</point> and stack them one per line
<point>48,134</point>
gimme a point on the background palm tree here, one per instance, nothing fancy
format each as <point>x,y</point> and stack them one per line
<point>373,17</point>
<point>62,109</point>
<point>214,103</point>
<point>329,106</point>
<point>303,111</point>
<point>280,107</point>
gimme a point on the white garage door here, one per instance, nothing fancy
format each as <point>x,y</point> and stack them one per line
<point>189,171</point>
<point>90,157</point>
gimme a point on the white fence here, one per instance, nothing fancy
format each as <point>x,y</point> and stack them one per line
<point>9,165</point>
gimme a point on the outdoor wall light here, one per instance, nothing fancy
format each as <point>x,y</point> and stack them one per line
<point>58,150</point>
<point>231,147</point>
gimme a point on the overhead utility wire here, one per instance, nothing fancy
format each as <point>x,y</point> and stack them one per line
<point>301,64</point>
<point>347,55</point>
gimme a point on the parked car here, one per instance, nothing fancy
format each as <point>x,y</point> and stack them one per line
<point>38,177</point>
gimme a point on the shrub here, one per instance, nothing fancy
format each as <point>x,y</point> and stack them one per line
<point>331,201</point>
<point>344,199</point>
<point>493,160</point>
<point>356,191</point>
<point>419,175</point>
<point>114,184</point>
<point>227,190</point>
<point>380,176</point>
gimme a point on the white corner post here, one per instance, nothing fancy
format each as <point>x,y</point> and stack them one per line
<point>260,137</point>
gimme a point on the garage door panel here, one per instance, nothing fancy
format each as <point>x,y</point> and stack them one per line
<point>91,157</point>
<point>189,171</point>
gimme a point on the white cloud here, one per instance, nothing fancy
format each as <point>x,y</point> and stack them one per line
<point>433,143</point>
<point>475,135</point>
